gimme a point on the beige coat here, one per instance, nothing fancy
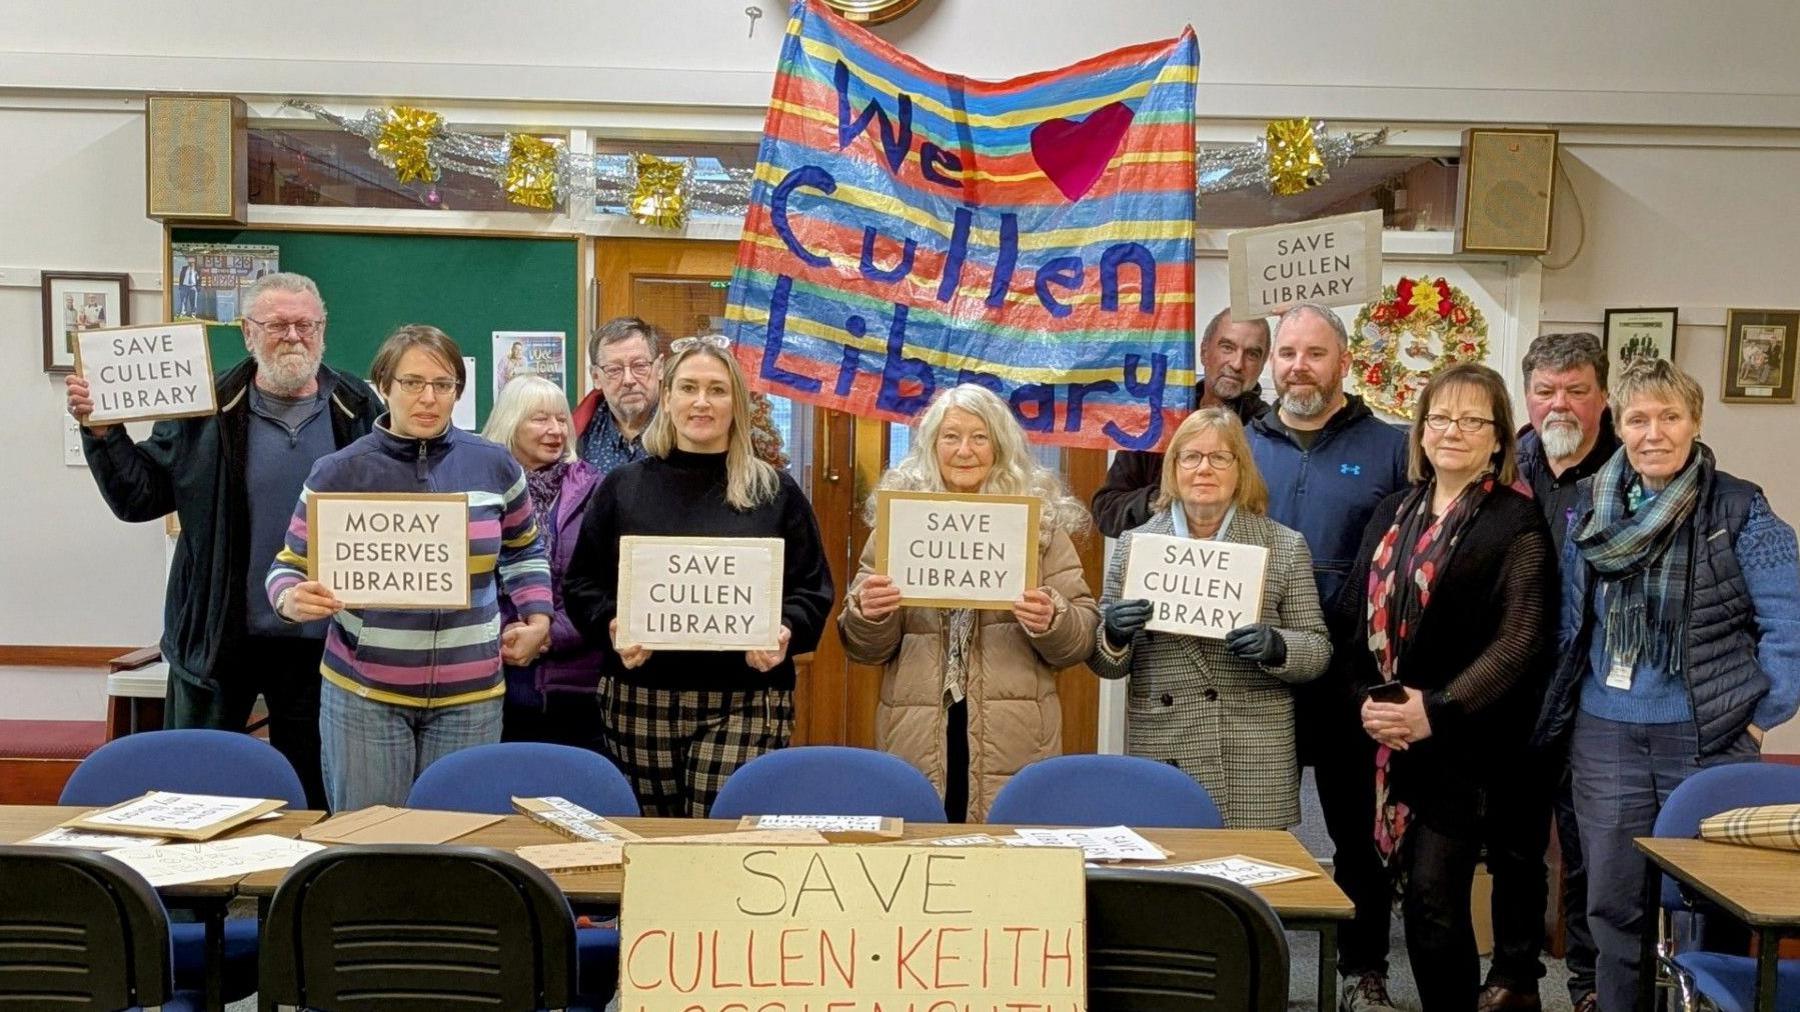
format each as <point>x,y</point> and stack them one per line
<point>1015,717</point>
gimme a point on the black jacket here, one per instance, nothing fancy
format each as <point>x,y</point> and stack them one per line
<point>1479,653</point>
<point>194,468</point>
<point>1135,476</point>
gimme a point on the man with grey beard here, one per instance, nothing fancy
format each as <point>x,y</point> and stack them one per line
<point>233,478</point>
<point>1570,437</point>
<point>1328,461</point>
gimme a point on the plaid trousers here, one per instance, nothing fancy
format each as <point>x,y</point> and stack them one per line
<point>678,747</point>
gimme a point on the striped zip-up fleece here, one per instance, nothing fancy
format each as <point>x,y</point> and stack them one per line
<point>440,657</point>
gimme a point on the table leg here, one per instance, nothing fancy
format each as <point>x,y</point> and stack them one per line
<point>1646,997</point>
<point>1328,967</point>
<point>215,956</point>
<point>1768,956</point>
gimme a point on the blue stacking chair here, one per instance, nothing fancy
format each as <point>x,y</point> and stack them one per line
<point>486,778</point>
<point>1728,981</point>
<point>82,931</point>
<point>192,761</point>
<point>1104,790</point>
<point>829,780</point>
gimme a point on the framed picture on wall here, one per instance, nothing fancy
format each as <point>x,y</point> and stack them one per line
<point>1632,334</point>
<point>77,301</point>
<point>1760,349</point>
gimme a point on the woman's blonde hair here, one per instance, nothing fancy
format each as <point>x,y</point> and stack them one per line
<point>749,481</point>
<point>1658,379</point>
<point>1252,494</point>
<point>519,400</point>
<point>1015,470</point>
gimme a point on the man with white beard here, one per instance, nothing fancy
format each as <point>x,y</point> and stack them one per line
<point>1328,461</point>
<point>1570,437</point>
<point>233,478</point>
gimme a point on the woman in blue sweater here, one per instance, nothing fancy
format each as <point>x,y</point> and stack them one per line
<point>1680,642</point>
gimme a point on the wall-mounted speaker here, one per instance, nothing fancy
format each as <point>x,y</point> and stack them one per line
<point>196,157</point>
<point>1504,190</point>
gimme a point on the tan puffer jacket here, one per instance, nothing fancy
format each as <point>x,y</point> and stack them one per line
<point>1015,717</point>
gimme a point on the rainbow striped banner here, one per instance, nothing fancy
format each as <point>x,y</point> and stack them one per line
<point>910,230</point>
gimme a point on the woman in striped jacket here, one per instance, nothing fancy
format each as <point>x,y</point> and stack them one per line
<point>405,687</point>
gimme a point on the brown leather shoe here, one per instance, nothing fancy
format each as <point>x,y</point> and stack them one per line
<point>1495,998</point>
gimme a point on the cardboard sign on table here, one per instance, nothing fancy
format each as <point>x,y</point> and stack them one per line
<point>855,926</point>
<point>178,816</point>
<point>393,550</point>
<point>1198,588</point>
<point>387,824</point>
<point>700,593</point>
<point>1333,261</point>
<point>137,374</point>
<point>571,820</point>
<point>836,828</point>
<point>949,550</point>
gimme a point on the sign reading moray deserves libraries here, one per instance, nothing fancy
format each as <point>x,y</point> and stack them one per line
<point>700,593</point>
<point>945,550</point>
<point>390,550</point>
<point>848,928</point>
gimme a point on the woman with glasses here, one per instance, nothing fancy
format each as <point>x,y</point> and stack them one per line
<point>1448,619</point>
<point>679,722</point>
<point>1221,710</point>
<point>554,697</point>
<point>403,688</point>
<point>969,697</point>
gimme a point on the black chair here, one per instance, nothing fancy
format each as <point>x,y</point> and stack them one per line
<point>1172,942</point>
<point>80,930</point>
<point>410,928</point>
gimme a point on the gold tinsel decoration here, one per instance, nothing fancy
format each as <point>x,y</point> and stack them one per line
<point>404,143</point>
<point>1294,161</point>
<point>529,177</point>
<point>659,193</point>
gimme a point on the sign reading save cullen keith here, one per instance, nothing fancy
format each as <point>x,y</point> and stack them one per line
<point>1333,261</point>
<point>140,373</point>
<point>390,550</point>
<point>700,593</point>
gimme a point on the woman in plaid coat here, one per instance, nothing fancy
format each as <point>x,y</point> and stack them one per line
<point>1221,710</point>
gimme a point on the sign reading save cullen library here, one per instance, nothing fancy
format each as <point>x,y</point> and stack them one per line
<point>700,593</point>
<point>1333,261</point>
<point>142,373</point>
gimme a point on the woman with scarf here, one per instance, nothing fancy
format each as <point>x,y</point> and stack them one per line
<point>551,697</point>
<point>1680,642</point>
<point>1448,618</point>
<point>969,697</point>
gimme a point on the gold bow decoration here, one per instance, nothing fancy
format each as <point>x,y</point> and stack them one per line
<point>659,192</point>
<point>530,177</point>
<point>1295,164</point>
<point>403,143</point>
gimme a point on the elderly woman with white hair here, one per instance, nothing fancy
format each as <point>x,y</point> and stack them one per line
<point>551,697</point>
<point>969,697</point>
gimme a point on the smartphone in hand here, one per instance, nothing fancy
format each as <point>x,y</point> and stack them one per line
<point>1387,692</point>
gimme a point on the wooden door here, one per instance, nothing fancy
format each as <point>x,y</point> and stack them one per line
<point>679,286</point>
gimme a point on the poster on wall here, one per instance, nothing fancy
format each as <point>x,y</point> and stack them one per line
<point>527,353</point>
<point>1633,334</point>
<point>207,280</point>
<point>1760,347</point>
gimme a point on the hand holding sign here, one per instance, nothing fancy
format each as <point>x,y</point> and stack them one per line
<point>766,660</point>
<point>631,656</point>
<point>877,598</point>
<point>81,404</point>
<point>309,601</point>
<point>1035,609</point>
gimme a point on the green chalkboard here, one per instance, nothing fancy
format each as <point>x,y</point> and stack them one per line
<point>468,286</point>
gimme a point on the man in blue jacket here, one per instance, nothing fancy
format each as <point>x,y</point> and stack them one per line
<point>233,478</point>
<point>1328,460</point>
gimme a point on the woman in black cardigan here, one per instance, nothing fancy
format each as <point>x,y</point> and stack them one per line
<point>1447,620</point>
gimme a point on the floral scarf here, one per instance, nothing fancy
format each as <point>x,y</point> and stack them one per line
<point>1406,564</point>
<point>545,484</point>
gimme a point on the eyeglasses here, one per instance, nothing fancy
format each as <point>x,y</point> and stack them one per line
<point>616,372</point>
<point>1467,423</point>
<point>301,328</point>
<point>719,341</point>
<point>417,385</point>
<point>1189,460</point>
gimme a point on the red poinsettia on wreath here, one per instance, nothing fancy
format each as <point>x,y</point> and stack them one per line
<point>1429,297</point>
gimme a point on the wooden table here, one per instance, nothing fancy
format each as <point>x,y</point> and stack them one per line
<point>1313,904</point>
<point>1758,886</point>
<point>19,823</point>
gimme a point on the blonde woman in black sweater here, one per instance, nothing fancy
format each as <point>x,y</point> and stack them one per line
<point>679,723</point>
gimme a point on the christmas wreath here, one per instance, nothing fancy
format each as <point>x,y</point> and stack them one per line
<point>1401,340</point>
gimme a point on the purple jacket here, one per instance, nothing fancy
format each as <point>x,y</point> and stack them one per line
<point>571,665</point>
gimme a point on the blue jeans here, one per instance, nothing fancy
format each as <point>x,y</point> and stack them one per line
<point>1622,775</point>
<point>371,752</point>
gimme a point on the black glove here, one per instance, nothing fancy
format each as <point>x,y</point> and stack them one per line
<point>1259,642</point>
<point>1124,619</point>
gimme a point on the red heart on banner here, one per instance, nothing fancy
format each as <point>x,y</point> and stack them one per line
<point>1075,154</point>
